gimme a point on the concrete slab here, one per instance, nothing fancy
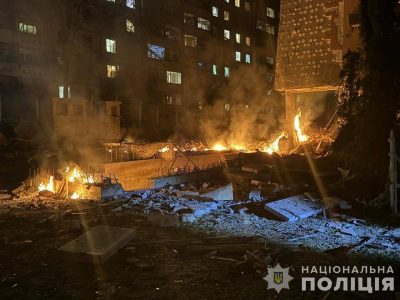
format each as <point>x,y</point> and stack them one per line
<point>187,193</point>
<point>294,208</point>
<point>220,194</point>
<point>98,244</point>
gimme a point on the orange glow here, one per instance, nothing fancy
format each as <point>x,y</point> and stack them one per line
<point>219,147</point>
<point>274,147</point>
<point>301,137</point>
<point>47,187</point>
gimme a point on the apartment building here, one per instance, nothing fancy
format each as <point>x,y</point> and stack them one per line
<point>160,61</point>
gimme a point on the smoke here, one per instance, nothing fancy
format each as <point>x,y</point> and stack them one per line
<point>243,113</point>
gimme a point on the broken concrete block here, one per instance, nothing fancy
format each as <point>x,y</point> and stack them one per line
<point>163,220</point>
<point>188,218</point>
<point>220,194</point>
<point>112,191</point>
<point>187,193</point>
<point>294,208</point>
<point>98,244</point>
<point>255,196</point>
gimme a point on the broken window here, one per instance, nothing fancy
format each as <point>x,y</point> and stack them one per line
<point>112,71</point>
<point>64,92</point>
<point>130,27</point>
<point>111,46</point>
<point>269,60</point>
<point>174,77</point>
<point>190,40</point>
<point>238,56</point>
<point>270,12</point>
<point>270,29</point>
<point>130,3</point>
<point>247,6</point>
<point>214,70</point>
<point>354,20</point>
<point>27,28</point>
<point>189,19</point>
<point>237,3</point>
<point>214,11</point>
<point>226,72</point>
<point>203,24</point>
<point>155,52</point>
<point>237,38</point>
<point>171,33</point>
<point>227,34</point>
<point>226,15</point>
<point>248,41</point>
<point>247,58</point>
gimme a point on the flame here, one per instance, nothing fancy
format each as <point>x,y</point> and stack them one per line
<point>165,149</point>
<point>48,187</point>
<point>238,147</point>
<point>219,147</point>
<point>75,196</point>
<point>79,176</point>
<point>301,137</point>
<point>274,147</point>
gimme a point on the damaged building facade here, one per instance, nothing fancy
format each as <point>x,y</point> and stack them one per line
<point>314,35</point>
<point>156,71</point>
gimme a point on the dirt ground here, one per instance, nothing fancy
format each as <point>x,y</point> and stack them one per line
<point>31,267</point>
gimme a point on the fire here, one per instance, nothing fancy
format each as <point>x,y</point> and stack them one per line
<point>219,147</point>
<point>165,149</point>
<point>237,147</point>
<point>79,176</point>
<point>75,196</point>
<point>48,187</point>
<point>301,137</point>
<point>274,147</point>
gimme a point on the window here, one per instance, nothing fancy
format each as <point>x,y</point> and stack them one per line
<point>227,34</point>
<point>226,15</point>
<point>112,71</point>
<point>27,28</point>
<point>270,12</point>
<point>170,32</point>
<point>237,38</point>
<point>248,41</point>
<point>214,70</point>
<point>227,1</point>
<point>247,6</point>
<point>269,61</point>
<point>203,24</point>
<point>238,56</point>
<point>111,46</point>
<point>61,92</point>
<point>200,105</point>
<point>226,72</point>
<point>111,1</point>
<point>155,52</point>
<point>174,77</point>
<point>173,99</point>
<point>130,3</point>
<point>270,29</point>
<point>130,27</point>
<point>189,19</point>
<point>237,3</point>
<point>214,11</point>
<point>227,107</point>
<point>190,40</point>
<point>248,59</point>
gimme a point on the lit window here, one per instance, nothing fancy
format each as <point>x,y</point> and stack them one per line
<point>112,71</point>
<point>200,105</point>
<point>237,3</point>
<point>227,34</point>
<point>174,77</point>
<point>111,1</point>
<point>270,12</point>
<point>61,92</point>
<point>227,1</point>
<point>226,15</point>
<point>214,69</point>
<point>203,24</point>
<point>248,58</point>
<point>270,29</point>
<point>27,28</point>
<point>111,46</point>
<point>237,38</point>
<point>214,11</point>
<point>155,52</point>
<point>189,19</point>
<point>248,41</point>
<point>130,27</point>
<point>238,56</point>
<point>130,3</point>
<point>269,60</point>
<point>227,107</point>
<point>190,40</point>
<point>247,6</point>
<point>226,72</point>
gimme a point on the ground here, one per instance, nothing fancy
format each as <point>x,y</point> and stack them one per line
<point>154,265</point>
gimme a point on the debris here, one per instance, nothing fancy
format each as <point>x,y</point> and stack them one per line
<point>112,191</point>
<point>72,225</point>
<point>98,244</point>
<point>187,193</point>
<point>294,208</point>
<point>5,196</point>
<point>344,205</point>
<point>255,196</point>
<point>163,220</point>
<point>220,194</point>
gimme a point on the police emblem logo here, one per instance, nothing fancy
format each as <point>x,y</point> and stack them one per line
<point>278,278</point>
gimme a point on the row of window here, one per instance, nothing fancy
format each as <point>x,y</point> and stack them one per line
<point>128,3</point>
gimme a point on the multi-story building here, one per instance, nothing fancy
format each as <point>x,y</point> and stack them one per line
<point>314,35</point>
<point>162,61</point>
